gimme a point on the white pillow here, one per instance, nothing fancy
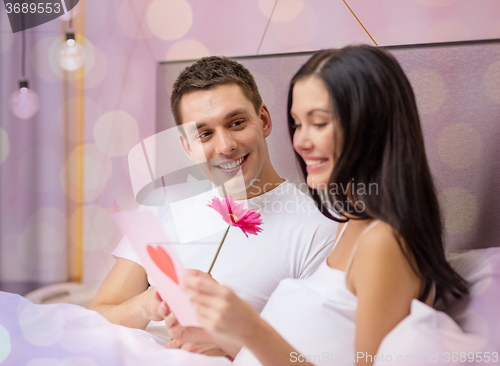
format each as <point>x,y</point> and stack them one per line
<point>468,333</point>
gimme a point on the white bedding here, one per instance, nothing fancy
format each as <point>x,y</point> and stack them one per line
<point>65,334</point>
<point>467,333</point>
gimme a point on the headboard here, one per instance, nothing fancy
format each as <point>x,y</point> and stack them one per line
<point>457,86</point>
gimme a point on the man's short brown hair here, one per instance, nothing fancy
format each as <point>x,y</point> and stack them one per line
<point>209,72</point>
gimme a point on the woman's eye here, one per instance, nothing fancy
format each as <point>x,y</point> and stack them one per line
<point>320,125</point>
<point>296,126</point>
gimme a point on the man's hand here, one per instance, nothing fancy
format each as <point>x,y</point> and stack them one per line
<point>190,335</point>
<point>208,349</point>
<point>124,297</point>
<point>194,339</point>
<point>223,314</point>
<point>154,307</point>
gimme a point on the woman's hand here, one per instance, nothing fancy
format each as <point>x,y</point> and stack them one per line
<point>220,311</point>
<point>233,320</point>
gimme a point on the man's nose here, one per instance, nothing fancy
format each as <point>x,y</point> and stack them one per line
<point>226,143</point>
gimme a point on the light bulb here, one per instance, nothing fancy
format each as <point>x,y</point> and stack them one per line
<point>24,102</point>
<point>71,54</point>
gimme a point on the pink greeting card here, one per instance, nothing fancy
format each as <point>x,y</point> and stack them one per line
<point>160,261</point>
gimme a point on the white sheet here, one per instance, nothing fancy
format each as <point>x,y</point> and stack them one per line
<point>65,334</point>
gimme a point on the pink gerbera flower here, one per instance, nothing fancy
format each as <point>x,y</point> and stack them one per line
<point>235,215</point>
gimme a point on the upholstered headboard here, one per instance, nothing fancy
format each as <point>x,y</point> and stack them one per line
<point>457,86</point>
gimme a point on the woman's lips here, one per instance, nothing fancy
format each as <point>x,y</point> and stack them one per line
<point>313,165</point>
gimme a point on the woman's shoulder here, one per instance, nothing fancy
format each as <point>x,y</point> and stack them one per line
<point>381,246</point>
<point>380,263</point>
<point>379,235</point>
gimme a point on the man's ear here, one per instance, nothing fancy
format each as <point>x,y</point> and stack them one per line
<point>265,117</point>
<point>186,146</point>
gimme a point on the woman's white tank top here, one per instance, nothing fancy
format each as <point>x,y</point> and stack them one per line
<point>316,315</point>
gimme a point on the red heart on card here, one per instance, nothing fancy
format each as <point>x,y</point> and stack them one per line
<point>162,260</point>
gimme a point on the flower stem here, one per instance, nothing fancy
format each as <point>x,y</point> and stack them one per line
<point>218,250</point>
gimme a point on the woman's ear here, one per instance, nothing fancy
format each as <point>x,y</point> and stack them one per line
<point>265,117</point>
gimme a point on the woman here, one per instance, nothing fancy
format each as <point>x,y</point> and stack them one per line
<point>355,128</point>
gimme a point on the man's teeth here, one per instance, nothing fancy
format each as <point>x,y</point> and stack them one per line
<point>314,162</point>
<point>233,164</point>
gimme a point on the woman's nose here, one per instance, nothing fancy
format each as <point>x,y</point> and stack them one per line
<point>302,140</point>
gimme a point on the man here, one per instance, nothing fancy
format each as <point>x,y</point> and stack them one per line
<point>231,127</point>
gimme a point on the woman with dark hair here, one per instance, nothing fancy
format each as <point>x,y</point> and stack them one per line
<point>356,132</point>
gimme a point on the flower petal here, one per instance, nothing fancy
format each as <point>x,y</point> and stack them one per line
<point>246,220</point>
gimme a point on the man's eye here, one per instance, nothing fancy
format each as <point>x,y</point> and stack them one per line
<point>203,135</point>
<point>237,123</point>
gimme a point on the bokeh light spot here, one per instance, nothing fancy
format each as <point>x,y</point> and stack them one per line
<point>436,3</point>
<point>170,19</point>
<point>116,132</point>
<point>44,362</point>
<point>41,325</point>
<point>448,31</point>
<point>430,90</point>
<point>459,145</point>
<point>285,10</point>
<point>460,209</point>
<point>53,55</point>
<point>96,74</point>
<point>97,167</point>
<point>299,32</point>
<point>491,81</point>
<point>79,361</point>
<point>98,227</point>
<point>42,247</point>
<point>5,344</point>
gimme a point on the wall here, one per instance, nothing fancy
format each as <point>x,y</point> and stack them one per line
<point>40,212</point>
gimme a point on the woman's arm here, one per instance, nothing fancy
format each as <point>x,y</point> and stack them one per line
<point>385,284</point>
<point>230,318</point>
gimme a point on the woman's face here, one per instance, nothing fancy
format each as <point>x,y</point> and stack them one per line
<point>314,129</point>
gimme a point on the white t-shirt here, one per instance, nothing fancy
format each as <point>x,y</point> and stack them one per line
<point>296,237</point>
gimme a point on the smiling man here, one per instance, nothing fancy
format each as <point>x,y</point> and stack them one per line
<point>224,126</point>
<point>230,135</point>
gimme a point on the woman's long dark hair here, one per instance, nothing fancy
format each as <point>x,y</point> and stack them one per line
<point>383,147</point>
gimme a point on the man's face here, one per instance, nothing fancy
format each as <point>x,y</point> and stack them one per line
<point>229,135</point>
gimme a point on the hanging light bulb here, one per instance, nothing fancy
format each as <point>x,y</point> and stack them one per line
<point>71,53</point>
<point>24,102</point>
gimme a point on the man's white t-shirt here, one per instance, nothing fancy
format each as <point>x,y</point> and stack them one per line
<point>296,237</point>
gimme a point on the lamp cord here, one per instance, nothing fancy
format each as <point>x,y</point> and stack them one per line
<point>70,24</point>
<point>23,54</point>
